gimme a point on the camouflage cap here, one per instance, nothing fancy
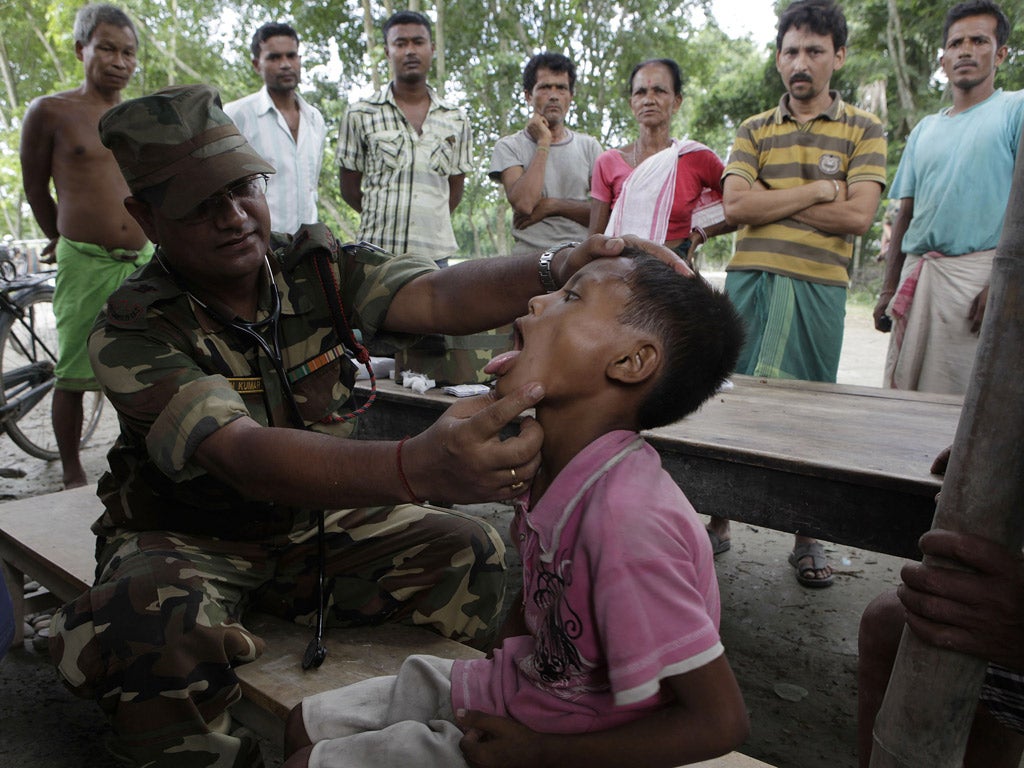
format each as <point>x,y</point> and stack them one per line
<point>179,144</point>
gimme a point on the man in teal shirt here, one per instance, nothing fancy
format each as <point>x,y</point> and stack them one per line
<point>953,183</point>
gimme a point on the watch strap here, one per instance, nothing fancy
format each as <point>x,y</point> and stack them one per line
<point>547,279</point>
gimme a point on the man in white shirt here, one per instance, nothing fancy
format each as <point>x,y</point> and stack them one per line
<point>283,127</point>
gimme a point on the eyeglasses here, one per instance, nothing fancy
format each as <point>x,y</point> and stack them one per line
<point>246,190</point>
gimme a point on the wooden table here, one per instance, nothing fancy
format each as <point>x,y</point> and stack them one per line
<point>843,463</point>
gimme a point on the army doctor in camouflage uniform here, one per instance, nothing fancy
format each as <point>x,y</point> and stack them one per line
<point>212,355</point>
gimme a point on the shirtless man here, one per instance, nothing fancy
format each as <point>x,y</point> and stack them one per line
<point>96,242</point>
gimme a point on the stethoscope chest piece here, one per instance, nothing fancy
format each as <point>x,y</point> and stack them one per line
<point>315,654</point>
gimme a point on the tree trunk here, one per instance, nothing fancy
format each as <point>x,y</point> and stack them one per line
<point>168,53</point>
<point>5,68</point>
<point>898,52</point>
<point>500,232</point>
<point>439,63</point>
<point>926,716</point>
<point>371,43</point>
<point>54,59</point>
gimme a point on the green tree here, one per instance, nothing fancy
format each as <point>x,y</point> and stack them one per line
<point>892,64</point>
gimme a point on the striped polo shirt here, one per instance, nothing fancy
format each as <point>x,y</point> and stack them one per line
<point>405,173</point>
<point>843,143</point>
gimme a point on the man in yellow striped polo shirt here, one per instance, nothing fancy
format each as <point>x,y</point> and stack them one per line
<point>802,180</point>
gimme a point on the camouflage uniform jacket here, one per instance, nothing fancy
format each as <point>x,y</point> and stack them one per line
<point>176,375</point>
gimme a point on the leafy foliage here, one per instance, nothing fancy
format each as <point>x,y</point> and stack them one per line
<point>485,45</point>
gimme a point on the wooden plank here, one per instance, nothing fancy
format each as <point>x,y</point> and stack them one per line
<point>276,681</point>
<point>13,578</point>
<point>852,389</point>
<point>844,463</point>
<point>842,432</point>
<point>48,537</point>
<point>860,434</point>
<point>867,517</point>
<point>732,760</point>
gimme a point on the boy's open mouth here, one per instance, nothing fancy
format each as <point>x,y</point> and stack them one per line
<point>500,364</point>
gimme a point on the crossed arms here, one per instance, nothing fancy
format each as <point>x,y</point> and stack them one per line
<point>827,205</point>
<point>352,189</point>
<point>524,187</point>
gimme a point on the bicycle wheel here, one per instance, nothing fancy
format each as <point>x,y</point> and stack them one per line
<point>28,352</point>
<point>8,269</point>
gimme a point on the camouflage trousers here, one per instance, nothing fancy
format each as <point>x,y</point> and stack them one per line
<point>156,639</point>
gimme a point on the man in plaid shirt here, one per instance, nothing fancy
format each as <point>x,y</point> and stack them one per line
<point>404,152</point>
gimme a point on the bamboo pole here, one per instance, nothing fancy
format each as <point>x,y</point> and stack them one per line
<point>926,716</point>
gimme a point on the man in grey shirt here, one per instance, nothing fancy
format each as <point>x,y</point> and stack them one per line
<point>545,168</point>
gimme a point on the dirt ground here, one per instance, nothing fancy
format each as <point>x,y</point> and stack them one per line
<point>794,650</point>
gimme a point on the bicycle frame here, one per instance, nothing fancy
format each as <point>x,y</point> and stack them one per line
<point>25,386</point>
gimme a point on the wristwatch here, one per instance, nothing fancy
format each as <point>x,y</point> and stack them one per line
<point>544,265</point>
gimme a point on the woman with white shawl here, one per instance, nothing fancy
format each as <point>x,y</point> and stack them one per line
<point>659,188</point>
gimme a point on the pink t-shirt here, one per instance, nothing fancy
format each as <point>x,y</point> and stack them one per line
<point>696,171</point>
<point>620,592</point>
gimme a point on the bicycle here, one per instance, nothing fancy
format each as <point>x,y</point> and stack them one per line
<point>13,258</point>
<point>28,353</point>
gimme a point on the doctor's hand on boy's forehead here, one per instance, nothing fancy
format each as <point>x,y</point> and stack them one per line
<point>599,246</point>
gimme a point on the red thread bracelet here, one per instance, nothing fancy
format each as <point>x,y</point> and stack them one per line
<point>413,498</point>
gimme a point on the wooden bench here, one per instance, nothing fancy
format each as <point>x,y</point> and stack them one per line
<point>48,538</point>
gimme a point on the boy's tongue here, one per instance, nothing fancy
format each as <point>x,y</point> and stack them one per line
<point>500,364</point>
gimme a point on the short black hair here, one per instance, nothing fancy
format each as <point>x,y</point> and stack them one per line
<point>407,17</point>
<point>269,30</point>
<point>700,331</point>
<point>670,64</point>
<point>556,62</point>
<point>978,8</point>
<point>91,16</point>
<point>822,17</point>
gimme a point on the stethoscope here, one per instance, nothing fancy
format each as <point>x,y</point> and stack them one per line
<point>252,332</point>
<point>316,651</point>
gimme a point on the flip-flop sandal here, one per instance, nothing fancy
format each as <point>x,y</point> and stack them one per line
<point>816,552</point>
<point>41,639</point>
<point>39,621</point>
<point>40,625</point>
<point>718,544</point>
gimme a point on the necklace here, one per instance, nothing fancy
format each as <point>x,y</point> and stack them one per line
<point>633,154</point>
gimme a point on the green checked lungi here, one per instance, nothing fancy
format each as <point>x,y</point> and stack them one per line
<point>86,275</point>
<point>794,327</point>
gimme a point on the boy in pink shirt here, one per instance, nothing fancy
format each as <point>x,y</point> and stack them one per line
<point>612,655</point>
